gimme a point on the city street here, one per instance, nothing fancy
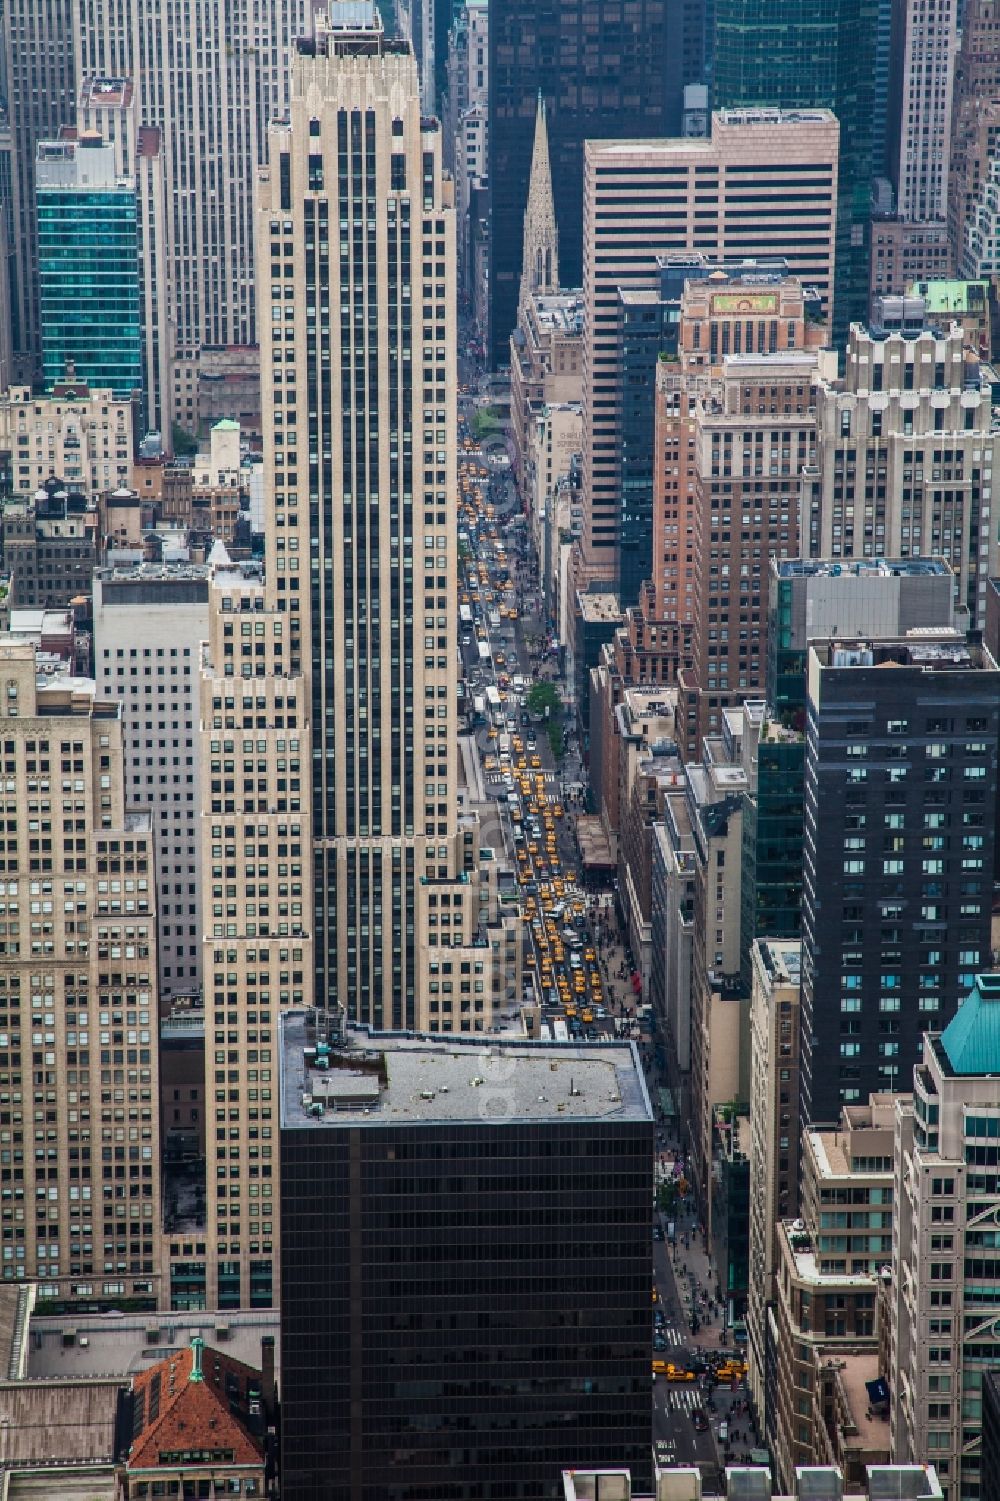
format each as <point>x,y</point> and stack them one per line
<point>578,965</point>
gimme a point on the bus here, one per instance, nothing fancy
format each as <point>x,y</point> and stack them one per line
<point>559,1030</point>
<point>465,615</point>
<point>494,703</point>
<point>484,651</point>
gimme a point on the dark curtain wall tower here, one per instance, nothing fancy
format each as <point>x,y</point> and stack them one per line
<point>601,76</point>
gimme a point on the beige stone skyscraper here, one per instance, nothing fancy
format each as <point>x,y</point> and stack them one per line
<point>79,1106</point>
<point>356,250</point>
<point>336,870</point>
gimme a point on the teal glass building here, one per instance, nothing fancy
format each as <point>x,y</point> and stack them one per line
<point>88,267</point>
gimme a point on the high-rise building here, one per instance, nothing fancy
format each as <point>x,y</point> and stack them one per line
<point>361,552</point>
<point>209,76</point>
<point>923,50</point>
<point>39,73</point>
<point>149,622</point>
<point>821,1338</point>
<point>901,736</point>
<point>107,107</point>
<point>88,267</point>
<point>603,75</point>
<point>737,432</point>
<point>794,54</point>
<point>466,127</point>
<point>413,1320</point>
<point>78,1044</point>
<point>732,196</point>
<point>905,450</point>
<point>975,121</point>
<point>774,1136</point>
<point>944,1299</point>
<point>807,600</point>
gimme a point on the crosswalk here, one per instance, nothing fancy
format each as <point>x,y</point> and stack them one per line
<point>683,1398</point>
<point>671,1334</point>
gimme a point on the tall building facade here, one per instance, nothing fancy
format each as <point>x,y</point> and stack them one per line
<point>107,107</point>
<point>41,98</point>
<point>433,1343</point>
<point>78,1044</point>
<point>149,623</point>
<point>83,437</point>
<point>796,55</point>
<point>88,267</point>
<point>359,371</point>
<point>944,1300</point>
<point>905,452</point>
<point>774,1136</point>
<point>898,846</point>
<point>733,195</point>
<point>209,76</point>
<point>924,42</point>
<point>975,120</point>
<point>603,75</point>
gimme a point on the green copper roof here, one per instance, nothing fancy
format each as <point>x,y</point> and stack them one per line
<point>226,425</point>
<point>971,1040</point>
<point>946,296</point>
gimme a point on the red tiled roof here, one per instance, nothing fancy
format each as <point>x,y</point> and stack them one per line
<point>175,1413</point>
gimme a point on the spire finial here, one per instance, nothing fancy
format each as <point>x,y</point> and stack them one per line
<point>540,254</point>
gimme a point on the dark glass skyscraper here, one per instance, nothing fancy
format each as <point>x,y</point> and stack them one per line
<point>803,54</point>
<point>898,838</point>
<point>466,1239</point>
<point>605,71</point>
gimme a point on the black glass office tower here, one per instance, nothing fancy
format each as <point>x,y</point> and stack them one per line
<point>898,841</point>
<point>466,1252</point>
<point>606,71</point>
<point>805,54</point>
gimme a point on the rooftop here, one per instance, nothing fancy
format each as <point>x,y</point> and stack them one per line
<point>860,567</point>
<point>195,1399</point>
<point>940,649</point>
<point>559,312</point>
<point>387,1078</point>
<point>782,958</point>
<point>971,1040</point>
<point>597,607</point>
<point>807,1269</point>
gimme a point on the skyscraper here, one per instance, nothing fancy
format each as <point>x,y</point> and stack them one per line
<point>943,1294</point>
<point>209,75</point>
<point>898,836</point>
<point>905,450</point>
<point>77,966</point>
<point>763,186</point>
<point>470,1232</point>
<point>605,72</point>
<point>796,54</point>
<point>88,267</point>
<point>38,59</point>
<point>920,90</point>
<point>359,372</point>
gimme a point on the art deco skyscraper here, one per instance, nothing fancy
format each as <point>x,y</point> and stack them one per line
<point>359,366</point>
